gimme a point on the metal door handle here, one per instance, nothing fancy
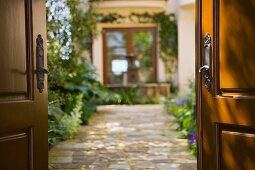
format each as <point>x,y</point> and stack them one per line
<point>207,62</point>
<point>40,70</point>
<point>202,68</point>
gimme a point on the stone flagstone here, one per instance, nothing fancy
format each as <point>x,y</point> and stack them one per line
<point>125,138</point>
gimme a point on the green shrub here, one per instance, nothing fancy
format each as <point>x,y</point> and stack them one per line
<point>87,110</point>
<point>63,125</point>
<point>130,96</point>
<point>73,88</point>
<point>182,107</point>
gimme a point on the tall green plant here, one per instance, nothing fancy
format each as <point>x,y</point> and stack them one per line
<point>63,125</point>
<point>73,88</point>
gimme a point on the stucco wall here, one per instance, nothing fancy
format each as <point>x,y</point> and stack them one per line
<point>185,12</point>
<point>186,37</point>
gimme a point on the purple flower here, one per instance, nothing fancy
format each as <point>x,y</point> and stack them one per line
<point>181,102</point>
<point>192,138</point>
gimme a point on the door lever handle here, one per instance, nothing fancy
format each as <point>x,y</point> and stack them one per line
<point>203,67</point>
<point>40,70</point>
<point>207,62</point>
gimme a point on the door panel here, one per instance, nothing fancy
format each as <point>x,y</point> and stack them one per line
<point>226,112</point>
<point>237,149</point>
<point>23,110</point>
<point>15,33</point>
<point>236,37</point>
<point>17,148</point>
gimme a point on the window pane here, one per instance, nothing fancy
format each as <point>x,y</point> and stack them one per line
<point>143,49</point>
<point>116,57</point>
<point>130,65</point>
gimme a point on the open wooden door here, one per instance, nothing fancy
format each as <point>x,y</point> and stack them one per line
<point>23,109</point>
<point>226,84</point>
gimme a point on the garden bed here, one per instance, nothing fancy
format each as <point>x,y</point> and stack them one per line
<point>183,108</point>
<point>150,90</point>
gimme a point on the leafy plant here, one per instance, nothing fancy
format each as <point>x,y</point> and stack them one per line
<point>73,88</point>
<point>182,107</point>
<point>63,125</point>
<point>132,95</point>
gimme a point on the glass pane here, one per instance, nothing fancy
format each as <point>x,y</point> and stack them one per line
<point>116,57</point>
<point>143,50</point>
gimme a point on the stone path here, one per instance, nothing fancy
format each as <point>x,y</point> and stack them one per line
<point>123,138</point>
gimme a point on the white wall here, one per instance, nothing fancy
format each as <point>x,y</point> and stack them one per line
<point>97,49</point>
<point>185,13</point>
<point>186,40</point>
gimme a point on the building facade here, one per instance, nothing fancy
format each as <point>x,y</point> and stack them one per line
<point>118,52</point>
<point>118,47</point>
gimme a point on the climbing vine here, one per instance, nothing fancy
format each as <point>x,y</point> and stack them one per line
<point>167,32</point>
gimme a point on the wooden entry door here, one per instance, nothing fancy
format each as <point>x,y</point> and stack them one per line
<point>23,109</point>
<point>226,84</point>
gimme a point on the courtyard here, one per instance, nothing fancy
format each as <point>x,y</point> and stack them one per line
<point>125,137</point>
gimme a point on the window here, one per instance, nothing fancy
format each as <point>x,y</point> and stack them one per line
<point>129,55</point>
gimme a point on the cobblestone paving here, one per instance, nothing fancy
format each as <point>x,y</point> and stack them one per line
<point>123,138</point>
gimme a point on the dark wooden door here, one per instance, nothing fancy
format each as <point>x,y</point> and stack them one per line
<point>23,110</point>
<point>226,107</point>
